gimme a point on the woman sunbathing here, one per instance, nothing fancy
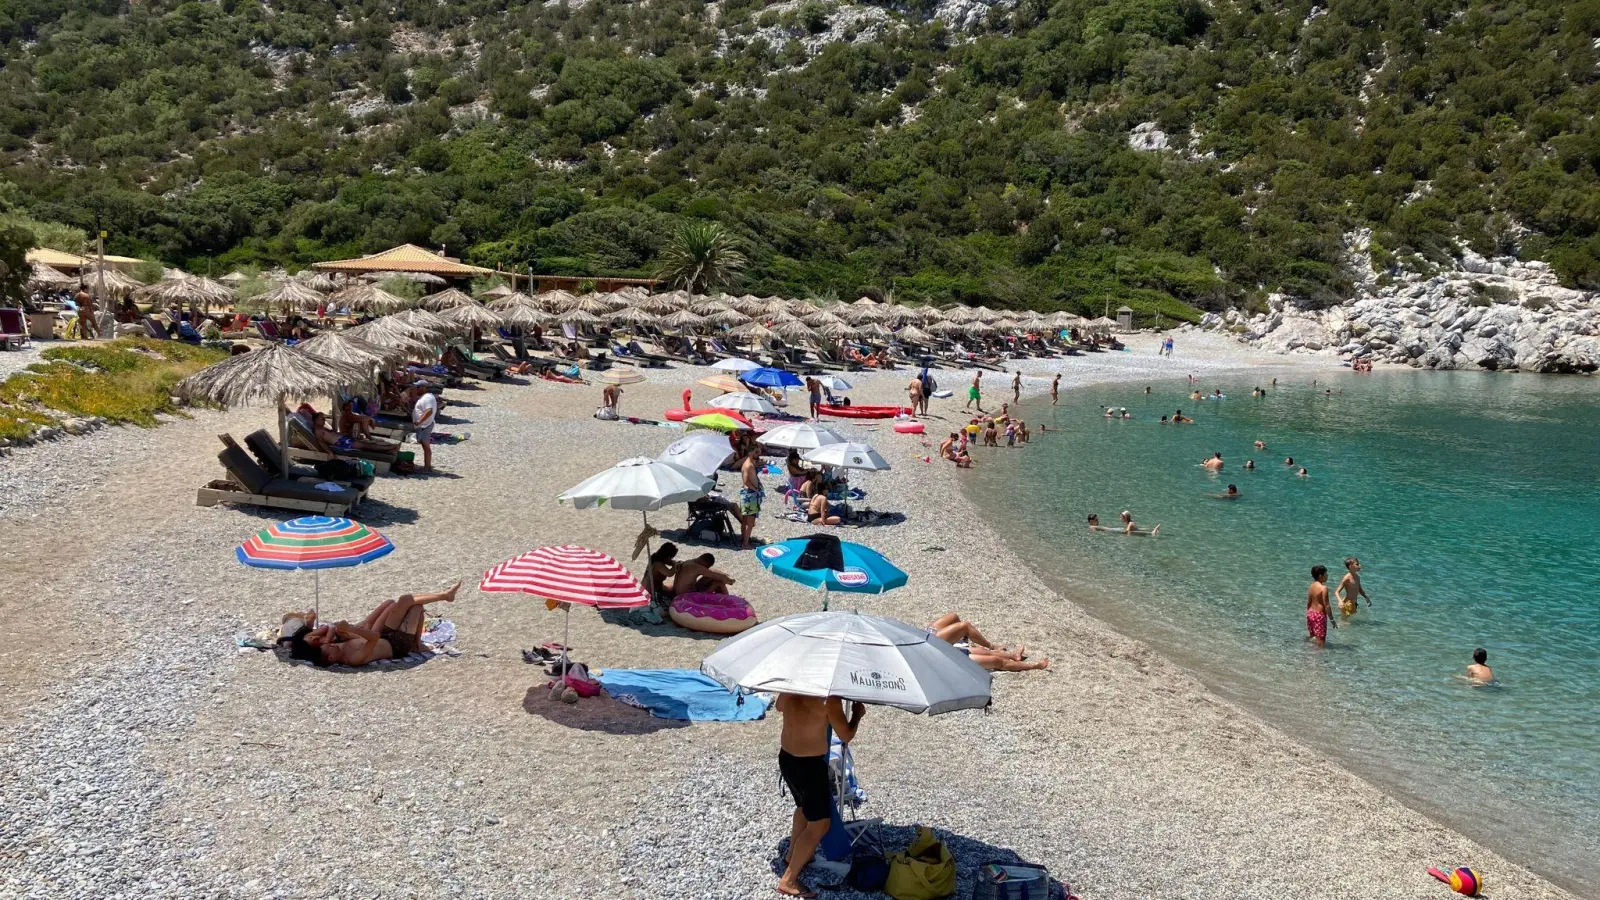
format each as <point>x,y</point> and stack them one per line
<point>392,631</point>
<point>549,373</point>
<point>819,512</point>
<point>952,629</point>
<point>327,438</point>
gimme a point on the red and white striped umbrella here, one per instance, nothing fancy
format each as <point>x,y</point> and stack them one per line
<point>567,574</point>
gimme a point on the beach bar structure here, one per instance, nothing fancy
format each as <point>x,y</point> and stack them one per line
<point>72,263</point>
<point>411,259</point>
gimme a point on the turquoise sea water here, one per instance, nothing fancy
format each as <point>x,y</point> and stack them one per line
<point>1473,502</point>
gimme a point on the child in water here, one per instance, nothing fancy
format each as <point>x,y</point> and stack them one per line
<point>1318,618</point>
<point>1479,671</point>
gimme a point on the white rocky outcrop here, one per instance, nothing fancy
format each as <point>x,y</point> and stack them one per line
<point>1496,314</point>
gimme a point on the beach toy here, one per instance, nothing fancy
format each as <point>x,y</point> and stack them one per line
<point>682,415</point>
<point>910,427</point>
<point>863,412</point>
<point>1462,880</point>
<point>712,613</point>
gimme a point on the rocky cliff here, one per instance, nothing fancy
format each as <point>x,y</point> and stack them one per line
<point>1496,314</point>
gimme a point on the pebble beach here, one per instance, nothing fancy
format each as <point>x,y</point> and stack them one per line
<point>148,756</point>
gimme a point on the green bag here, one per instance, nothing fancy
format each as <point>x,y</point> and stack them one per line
<point>924,872</point>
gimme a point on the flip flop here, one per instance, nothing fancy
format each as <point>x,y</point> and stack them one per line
<point>805,892</point>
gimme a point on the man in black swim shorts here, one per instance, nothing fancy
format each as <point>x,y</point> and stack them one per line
<point>803,761</point>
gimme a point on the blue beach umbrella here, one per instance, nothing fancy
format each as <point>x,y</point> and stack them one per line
<point>824,562</point>
<point>770,377</point>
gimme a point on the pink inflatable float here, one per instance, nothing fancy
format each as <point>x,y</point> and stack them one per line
<point>712,613</point>
<point>909,427</point>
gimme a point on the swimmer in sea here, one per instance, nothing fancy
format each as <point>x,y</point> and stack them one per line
<point>1216,394</point>
<point>1111,412</point>
<point>1232,493</point>
<point>1214,463</point>
<point>1131,529</point>
<point>1261,445</point>
<point>1147,390</point>
<point>1163,420</point>
<point>1288,460</point>
<point>1178,418</point>
<point>1249,465</point>
<point>1126,414</point>
<point>1479,672</point>
<point>1196,395</point>
<point>1350,588</point>
<point>1303,473</point>
<point>1318,621</point>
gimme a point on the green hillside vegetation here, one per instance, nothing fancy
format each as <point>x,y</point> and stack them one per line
<point>988,167</point>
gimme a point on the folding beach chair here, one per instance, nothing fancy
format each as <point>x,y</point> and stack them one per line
<point>13,329</point>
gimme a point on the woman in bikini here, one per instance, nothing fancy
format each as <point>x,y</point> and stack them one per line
<point>392,631</point>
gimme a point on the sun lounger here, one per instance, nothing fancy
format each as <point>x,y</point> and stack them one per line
<point>265,450</point>
<point>13,330</point>
<point>304,446</point>
<point>250,484</point>
<point>268,330</point>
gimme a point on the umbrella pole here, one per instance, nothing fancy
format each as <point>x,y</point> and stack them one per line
<point>824,596</point>
<point>566,636</point>
<point>316,579</point>
<point>283,438</point>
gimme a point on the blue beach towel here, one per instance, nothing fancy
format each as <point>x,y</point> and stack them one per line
<point>682,694</point>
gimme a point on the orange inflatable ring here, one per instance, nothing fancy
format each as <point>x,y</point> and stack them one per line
<point>910,427</point>
<point>712,613</point>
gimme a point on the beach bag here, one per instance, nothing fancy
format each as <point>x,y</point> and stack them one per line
<point>868,874</point>
<point>925,871</point>
<point>1012,881</point>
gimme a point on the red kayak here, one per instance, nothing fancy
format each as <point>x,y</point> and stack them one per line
<point>864,412</point>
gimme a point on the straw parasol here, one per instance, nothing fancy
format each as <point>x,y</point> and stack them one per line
<point>819,318</point>
<point>960,314</point>
<point>752,331</point>
<point>707,306</point>
<point>792,330</point>
<point>838,331</point>
<point>633,316</point>
<point>448,298</point>
<point>342,347</point>
<point>875,330</point>
<point>556,301</point>
<point>514,298</point>
<point>116,282</point>
<point>913,334</point>
<point>659,304</point>
<point>470,316</point>
<point>1102,325</point>
<point>291,295</point>
<point>368,298</point>
<point>525,317</point>
<point>729,317</point>
<point>234,277</point>
<point>386,332</point>
<point>421,318</point>
<point>579,317</point>
<point>683,320</point>
<point>270,376</point>
<point>42,275</point>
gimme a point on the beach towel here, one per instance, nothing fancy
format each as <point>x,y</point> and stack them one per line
<point>682,694</point>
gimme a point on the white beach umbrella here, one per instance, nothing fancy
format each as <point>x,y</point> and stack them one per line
<point>852,656</point>
<point>744,401</point>
<point>848,456</point>
<point>834,383</point>
<point>640,483</point>
<point>801,436</point>
<point>700,451</point>
<point>735,364</point>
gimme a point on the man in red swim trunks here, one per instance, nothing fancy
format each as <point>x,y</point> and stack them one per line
<point>1319,615</point>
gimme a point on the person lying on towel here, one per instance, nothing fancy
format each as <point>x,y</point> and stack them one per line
<point>392,631</point>
<point>329,439</point>
<point>953,629</point>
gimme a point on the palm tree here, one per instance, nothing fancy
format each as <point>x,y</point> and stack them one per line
<point>700,256</point>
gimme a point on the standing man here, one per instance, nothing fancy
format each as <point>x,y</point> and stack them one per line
<point>750,494</point>
<point>803,761</point>
<point>814,387</point>
<point>1055,389</point>
<point>1016,387</point>
<point>927,389</point>
<point>424,415</point>
<point>915,390</point>
<point>87,327</point>
<point>975,391</point>
<point>1318,614</point>
<point>1350,586</point>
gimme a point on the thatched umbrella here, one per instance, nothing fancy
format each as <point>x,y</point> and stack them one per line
<point>912,334</point>
<point>368,298</point>
<point>42,275</point>
<point>342,347</point>
<point>510,299</point>
<point>752,331</point>
<point>470,316</point>
<point>318,281</point>
<point>271,375</point>
<point>499,291</point>
<point>985,314</point>
<point>707,306</point>
<point>556,301</point>
<point>633,316</point>
<point>1102,325</point>
<point>948,326</point>
<point>746,304</point>
<point>594,304</point>
<point>1059,320</point>
<point>728,317</point>
<point>979,328</point>
<point>876,330</point>
<point>793,330</point>
<point>525,317</point>
<point>660,304</point>
<point>117,283</point>
<point>448,299</point>
<point>394,335</point>
<point>819,318</point>
<point>421,318</point>
<point>234,277</point>
<point>683,320</point>
<point>578,317</point>
<point>291,295</point>
<point>838,331</point>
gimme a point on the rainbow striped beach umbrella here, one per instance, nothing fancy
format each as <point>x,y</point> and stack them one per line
<point>313,542</point>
